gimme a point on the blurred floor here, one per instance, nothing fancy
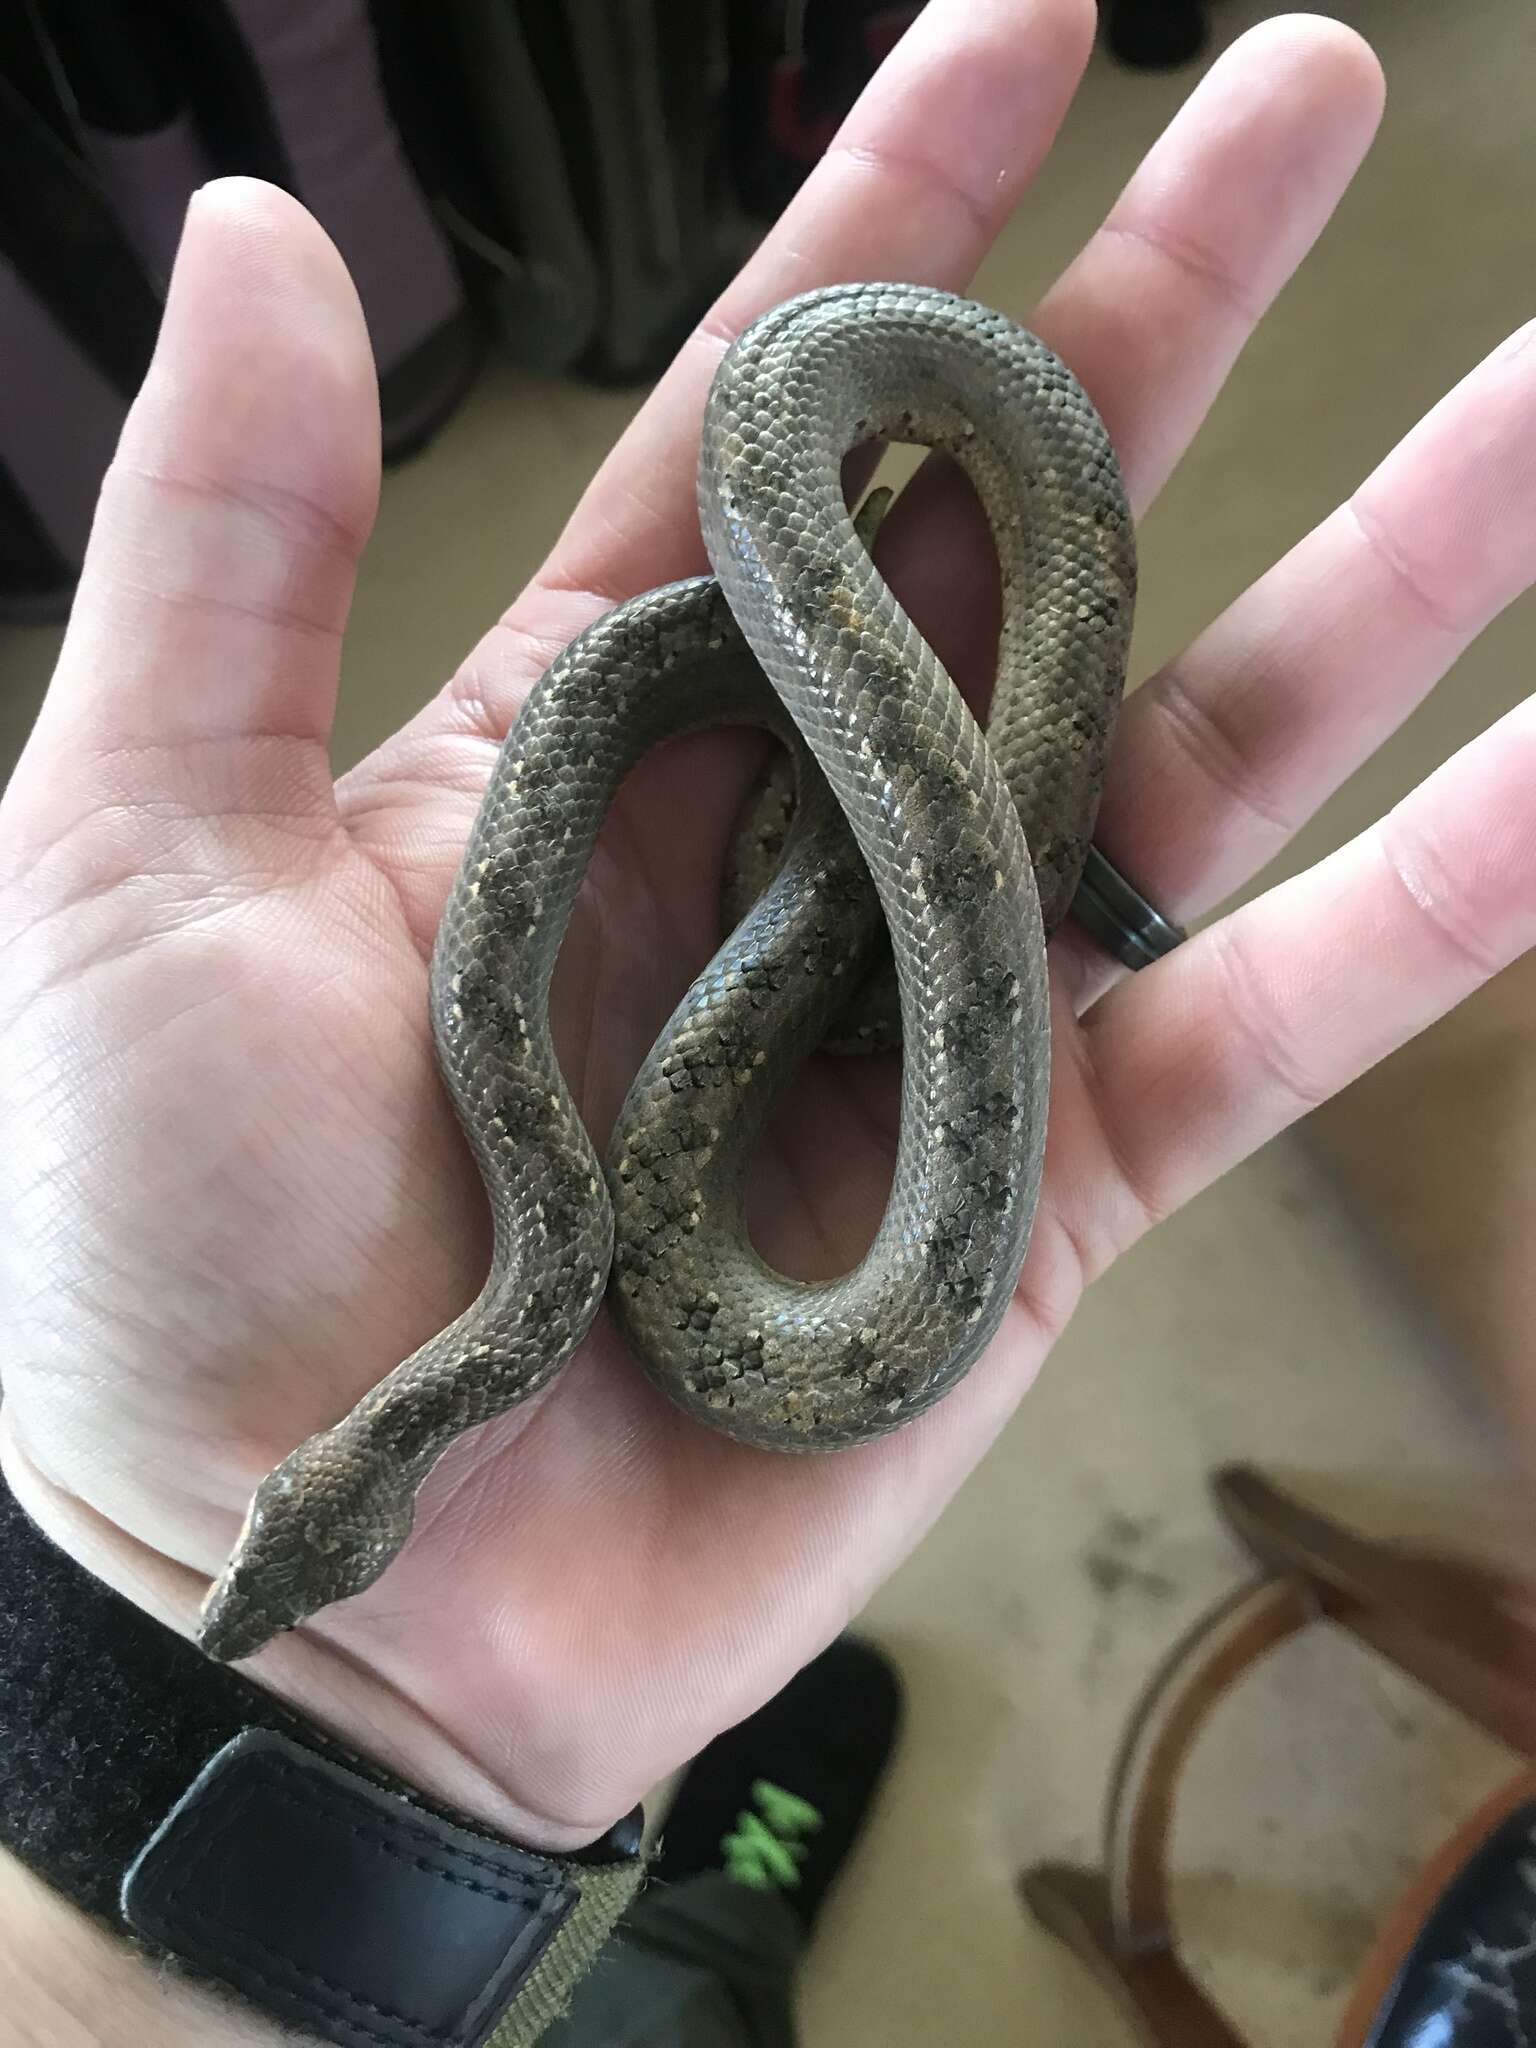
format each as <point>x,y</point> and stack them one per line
<point>1269,1321</point>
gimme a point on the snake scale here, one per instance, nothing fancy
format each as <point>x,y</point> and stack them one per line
<point>966,847</point>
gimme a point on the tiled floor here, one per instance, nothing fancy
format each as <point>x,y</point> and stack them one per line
<point>1267,1321</point>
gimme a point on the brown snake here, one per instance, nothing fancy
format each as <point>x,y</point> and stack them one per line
<point>966,847</point>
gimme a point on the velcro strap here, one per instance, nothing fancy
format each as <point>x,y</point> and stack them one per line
<point>330,1902</point>
<point>190,1809</point>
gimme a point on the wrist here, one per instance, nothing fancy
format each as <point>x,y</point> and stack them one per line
<point>201,1818</point>
<point>64,1979</point>
<point>331,1686</point>
<point>338,1693</point>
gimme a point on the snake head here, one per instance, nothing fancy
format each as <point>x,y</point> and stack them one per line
<point>320,1528</point>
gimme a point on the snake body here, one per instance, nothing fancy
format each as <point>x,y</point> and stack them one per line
<point>966,847</point>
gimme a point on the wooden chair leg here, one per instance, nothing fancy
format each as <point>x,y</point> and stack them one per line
<point>1155,1992</point>
<point>1119,1920</point>
<point>1466,1632</point>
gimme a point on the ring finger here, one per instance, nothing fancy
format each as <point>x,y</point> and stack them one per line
<point>1226,752</point>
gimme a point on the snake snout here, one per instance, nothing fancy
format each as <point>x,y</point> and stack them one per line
<point>320,1528</point>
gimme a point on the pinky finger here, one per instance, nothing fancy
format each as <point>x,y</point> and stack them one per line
<point>1277,1007</point>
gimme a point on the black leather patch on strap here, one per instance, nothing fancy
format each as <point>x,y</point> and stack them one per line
<point>333,1903</point>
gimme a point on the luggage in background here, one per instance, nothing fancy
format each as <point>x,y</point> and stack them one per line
<point>579,154</point>
<point>111,113</point>
<point>574,179</point>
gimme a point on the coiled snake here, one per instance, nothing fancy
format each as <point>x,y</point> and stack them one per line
<point>974,845</point>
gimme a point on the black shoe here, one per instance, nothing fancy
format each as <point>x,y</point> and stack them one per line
<point>1156,35</point>
<point>778,1802</point>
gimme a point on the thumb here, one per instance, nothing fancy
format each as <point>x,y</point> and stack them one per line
<point>199,670</point>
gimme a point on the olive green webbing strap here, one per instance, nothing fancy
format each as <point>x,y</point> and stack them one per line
<point>606,1891</point>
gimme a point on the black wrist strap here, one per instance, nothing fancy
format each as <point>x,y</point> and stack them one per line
<point>170,1797</point>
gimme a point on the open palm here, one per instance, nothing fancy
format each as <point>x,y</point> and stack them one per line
<point>232,1194</point>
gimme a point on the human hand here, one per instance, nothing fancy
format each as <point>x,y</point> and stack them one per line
<point>232,1194</point>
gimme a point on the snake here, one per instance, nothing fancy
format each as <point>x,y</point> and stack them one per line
<point>958,848</point>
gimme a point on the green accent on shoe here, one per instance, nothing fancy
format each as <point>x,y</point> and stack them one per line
<point>756,1857</point>
<point>764,1853</point>
<point>785,1812</point>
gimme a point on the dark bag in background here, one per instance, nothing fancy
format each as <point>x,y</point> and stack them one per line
<point>77,321</point>
<point>579,154</point>
<point>585,176</point>
<point>797,66</point>
<point>111,113</point>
